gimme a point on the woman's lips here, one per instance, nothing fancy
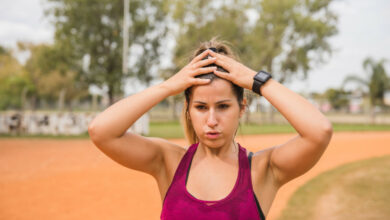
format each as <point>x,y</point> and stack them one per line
<point>213,135</point>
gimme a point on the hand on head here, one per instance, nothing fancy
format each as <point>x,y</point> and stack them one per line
<point>186,76</point>
<point>238,73</point>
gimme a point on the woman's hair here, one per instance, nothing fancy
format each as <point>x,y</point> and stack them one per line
<point>222,48</point>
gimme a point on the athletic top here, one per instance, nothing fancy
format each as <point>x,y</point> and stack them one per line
<point>241,203</point>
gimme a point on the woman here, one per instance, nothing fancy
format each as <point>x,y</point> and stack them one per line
<point>215,177</point>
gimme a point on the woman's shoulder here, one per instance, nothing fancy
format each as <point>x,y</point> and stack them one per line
<point>172,153</point>
<point>171,150</point>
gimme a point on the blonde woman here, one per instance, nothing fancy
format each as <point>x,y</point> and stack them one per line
<point>215,177</point>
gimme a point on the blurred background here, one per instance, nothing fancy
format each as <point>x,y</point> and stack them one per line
<point>64,61</point>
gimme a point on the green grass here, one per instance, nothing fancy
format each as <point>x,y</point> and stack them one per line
<point>358,190</point>
<point>360,127</point>
<point>173,129</point>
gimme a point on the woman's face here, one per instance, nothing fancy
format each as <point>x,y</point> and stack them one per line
<point>215,112</point>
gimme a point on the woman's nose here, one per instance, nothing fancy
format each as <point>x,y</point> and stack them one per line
<point>211,119</point>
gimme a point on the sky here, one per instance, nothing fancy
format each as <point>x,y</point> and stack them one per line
<point>364,30</point>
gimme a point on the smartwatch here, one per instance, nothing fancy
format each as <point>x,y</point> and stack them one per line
<point>260,79</point>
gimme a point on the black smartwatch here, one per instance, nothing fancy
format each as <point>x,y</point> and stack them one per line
<point>259,79</point>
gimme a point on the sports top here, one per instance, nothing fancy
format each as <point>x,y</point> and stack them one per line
<point>240,203</point>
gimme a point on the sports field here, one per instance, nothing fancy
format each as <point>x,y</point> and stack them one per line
<point>72,179</point>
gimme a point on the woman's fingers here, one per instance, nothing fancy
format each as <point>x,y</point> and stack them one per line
<point>224,64</point>
<point>199,81</point>
<point>203,63</point>
<point>204,70</point>
<point>223,61</point>
<point>200,56</point>
<point>223,75</point>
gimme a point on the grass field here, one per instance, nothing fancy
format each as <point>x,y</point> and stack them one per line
<point>358,190</point>
<point>173,129</point>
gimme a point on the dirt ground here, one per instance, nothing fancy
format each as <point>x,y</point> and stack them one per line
<point>72,179</point>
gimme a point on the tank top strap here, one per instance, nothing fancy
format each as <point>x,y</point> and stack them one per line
<point>185,163</point>
<point>180,175</point>
<point>243,159</point>
<point>247,178</point>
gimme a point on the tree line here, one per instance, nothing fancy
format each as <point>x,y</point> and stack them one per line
<point>288,38</point>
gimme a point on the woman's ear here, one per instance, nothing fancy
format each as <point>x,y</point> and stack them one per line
<point>243,107</point>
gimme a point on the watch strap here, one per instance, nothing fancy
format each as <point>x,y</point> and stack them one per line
<point>256,86</point>
<point>260,79</point>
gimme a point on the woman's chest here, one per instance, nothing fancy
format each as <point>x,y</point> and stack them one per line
<point>215,182</point>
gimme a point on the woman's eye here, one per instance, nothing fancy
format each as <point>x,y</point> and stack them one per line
<point>223,106</point>
<point>201,107</point>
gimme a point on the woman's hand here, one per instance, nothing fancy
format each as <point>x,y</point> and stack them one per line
<point>186,76</point>
<point>238,74</point>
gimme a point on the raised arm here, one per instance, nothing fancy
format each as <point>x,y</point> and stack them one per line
<point>299,154</point>
<point>108,129</point>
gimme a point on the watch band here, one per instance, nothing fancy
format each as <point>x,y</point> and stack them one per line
<point>260,79</point>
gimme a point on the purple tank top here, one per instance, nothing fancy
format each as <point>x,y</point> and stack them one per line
<point>241,203</point>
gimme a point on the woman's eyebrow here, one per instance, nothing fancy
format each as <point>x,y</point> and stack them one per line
<point>225,100</point>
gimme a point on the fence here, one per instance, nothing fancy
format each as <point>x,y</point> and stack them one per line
<point>56,123</point>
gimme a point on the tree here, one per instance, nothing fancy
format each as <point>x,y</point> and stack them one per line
<point>287,38</point>
<point>376,82</point>
<point>50,75</point>
<point>338,98</point>
<point>91,31</point>
<point>12,81</point>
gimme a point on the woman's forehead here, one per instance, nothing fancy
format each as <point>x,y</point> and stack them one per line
<point>215,91</point>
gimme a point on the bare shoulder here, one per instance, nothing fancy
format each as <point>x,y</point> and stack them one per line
<point>171,151</point>
<point>172,154</point>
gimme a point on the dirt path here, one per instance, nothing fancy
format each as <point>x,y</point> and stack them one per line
<point>72,179</point>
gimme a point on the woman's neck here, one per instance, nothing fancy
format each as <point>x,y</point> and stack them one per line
<point>224,151</point>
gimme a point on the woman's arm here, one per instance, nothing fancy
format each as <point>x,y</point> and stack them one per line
<point>299,154</point>
<point>108,129</point>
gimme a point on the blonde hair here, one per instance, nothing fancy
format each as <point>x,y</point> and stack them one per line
<point>222,48</point>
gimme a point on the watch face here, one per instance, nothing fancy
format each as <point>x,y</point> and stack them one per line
<point>262,76</point>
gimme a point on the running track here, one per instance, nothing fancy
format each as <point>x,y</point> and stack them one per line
<point>72,179</point>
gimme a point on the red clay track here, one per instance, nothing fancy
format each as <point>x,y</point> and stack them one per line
<point>72,179</point>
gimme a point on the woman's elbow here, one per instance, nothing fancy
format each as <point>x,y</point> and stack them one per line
<point>326,133</point>
<point>93,132</point>
<point>327,127</point>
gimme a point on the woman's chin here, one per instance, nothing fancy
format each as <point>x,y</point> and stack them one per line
<point>213,143</point>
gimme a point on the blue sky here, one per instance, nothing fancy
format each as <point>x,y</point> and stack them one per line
<point>364,30</point>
